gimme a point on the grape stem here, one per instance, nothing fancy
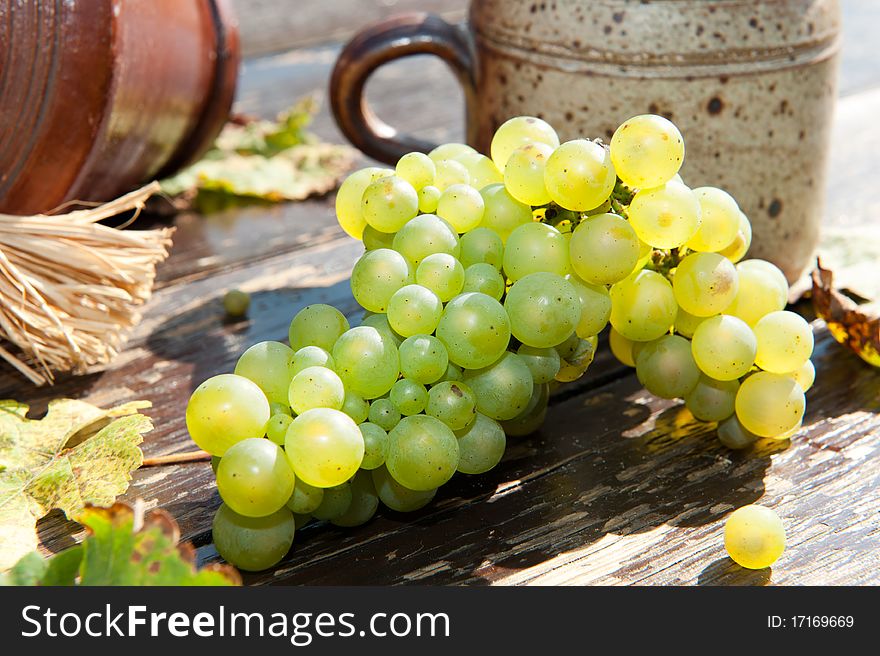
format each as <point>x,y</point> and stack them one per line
<point>176,458</point>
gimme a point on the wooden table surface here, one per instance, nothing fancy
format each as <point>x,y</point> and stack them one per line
<point>618,487</point>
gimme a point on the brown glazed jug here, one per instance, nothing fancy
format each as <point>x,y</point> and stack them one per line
<point>97,96</point>
<point>751,85</point>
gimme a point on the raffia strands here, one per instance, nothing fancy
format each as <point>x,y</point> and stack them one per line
<point>70,287</point>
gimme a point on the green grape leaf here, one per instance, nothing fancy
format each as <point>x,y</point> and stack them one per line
<point>76,455</point>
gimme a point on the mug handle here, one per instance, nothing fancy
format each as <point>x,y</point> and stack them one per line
<point>399,36</point>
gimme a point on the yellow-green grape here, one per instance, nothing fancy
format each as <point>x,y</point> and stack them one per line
<point>422,453</point>
<point>481,245</point>
<point>643,306</point>
<point>480,168</point>
<point>355,406</point>
<point>568,347</point>
<point>409,396</point>
<point>705,284</point>
<point>524,173</point>
<point>384,413</point>
<point>442,274</point>
<point>719,220</point>
<point>414,310</point>
<point>770,405</point>
<point>481,445</point>
<point>276,427</point>
<point>754,537</point>
<point>364,502</point>
<point>236,303</point>
<point>647,151</point>
<point>450,151</point>
<point>804,376</point>
<point>474,329</point>
<point>388,203</point>
<point>453,403</point>
<point>226,409</point>
<point>762,289</point>
<point>733,434</point>
<point>785,342</point>
<point>305,498</point>
<point>425,235</point>
<point>535,247</point>
<point>376,276</point>
<point>396,496</point>
<point>484,278</point>
<point>462,206</point>
<point>429,199</point>
<point>373,239</point>
<point>543,308</point>
<point>576,364</point>
<point>453,372</point>
<point>276,408</point>
<point>667,216</point>
<point>316,387</point>
<point>349,196</point>
<point>604,249</point>
<point>324,446</point>
<point>417,169</point>
<point>252,543</point>
<point>449,172</point>
<point>579,175</point>
<point>686,323</point>
<point>544,363</point>
<point>737,249</point>
<point>308,356</point>
<point>375,445</point>
<point>269,365</point>
<point>316,325</point>
<point>502,389</point>
<point>517,132</point>
<point>645,253</point>
<point>724,347</point>
<point>502,212</point>
<point>530,419</point>
<point>380,323</point>
<point>254,477</point>
<point>712,400</point>
<point>621,348</point>
<point>595,307</point>
<point>334,503</point>
<point>666,367</point>
<point>423,358</point>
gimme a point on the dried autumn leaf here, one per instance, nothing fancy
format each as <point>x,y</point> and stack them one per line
<point>847,322</point>
<point>76,455</point>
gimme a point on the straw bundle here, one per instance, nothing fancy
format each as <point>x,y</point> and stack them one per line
<point>70,288</point>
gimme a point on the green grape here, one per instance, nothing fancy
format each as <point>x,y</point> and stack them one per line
<point>380,323</point>
<point>604,249</point>
<point>375,445</point>
<point>503,213</point>
<point>324,447</point>
<point>462,206</point>
<point>316,387</point>
<point>621,348</point>
<point>575,365</point>
<point>533,248</point>
<point>364,502</point>
<point>785,342</point>
<point>302,520</point>
<point>422,453</point>
<point>442,274</point>
<point>425,235</point>
<point>252,543</point>
<point>567,348</point>
<point>423,358</point>
<point>804,376</point>
<point>409,396</point>
<point>417,169</point>
<point>737,249</point>
<point>316,325</point>
<point>305,498</point>
<point>308,356</point>
<point>348,199</point>
<point>414,310</point>
<point>280,409</point>
<point>481,445</point>
<point>666,367</point>
<point>579,175</point>
<point>388,203</point>
<point>373,239</point>
<point>448,173</point>
<point>724,347</point>
<point>481,169</point>
<point>595,304</point>
<point>543,308</point>
<point>481,245</point>
<point>396,496</point>
<point>384,413</point>
<point>366,361</point>
<point>276,427</point>
<point>236,303</point>
<point>485,279</point>
<point>544,363</point>
<point>733,434</point>
<point>376,276</point>
<point>705,284</point>
<point>770,405</point>
<point>450,151</point>
<point>712,400</point>
<point>754,537</point>
<point>762,289</point>
<point>474,329</point>
<point>686,324</point>
<point>215,462</point>
<point>254,477</point>
<point>719,220</point>
<point>226,409</point>
<point>529,420</point>
<point>335,502</point>
<point>667,216</point>
<point>453,372</point>
<point>517,132</point>
<point>269,365</point>
<point>429,199</point>
<point>524,173</point>
<point>453,403</point>
<point>643,306</point>
<point>647,151</point>
<point>503,389</point>
<point>355,406</point>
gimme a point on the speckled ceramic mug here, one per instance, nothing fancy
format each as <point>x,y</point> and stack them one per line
<point>750,84</point>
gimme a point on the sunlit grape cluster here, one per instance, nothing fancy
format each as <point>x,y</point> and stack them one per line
<point>485,282</point>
